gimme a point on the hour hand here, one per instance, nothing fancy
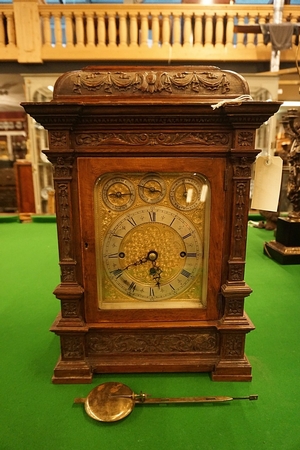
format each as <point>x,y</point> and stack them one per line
<point>119,194</point>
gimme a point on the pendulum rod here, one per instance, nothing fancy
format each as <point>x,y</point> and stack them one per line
<point>144,398</point>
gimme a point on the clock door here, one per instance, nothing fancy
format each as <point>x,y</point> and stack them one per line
<point>152,249</point>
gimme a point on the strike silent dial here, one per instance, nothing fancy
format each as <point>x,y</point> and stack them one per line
<point>118,193</point>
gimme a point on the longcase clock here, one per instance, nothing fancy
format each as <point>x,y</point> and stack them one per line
<point>152,196</point>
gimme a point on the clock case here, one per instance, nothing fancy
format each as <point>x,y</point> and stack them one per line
<point>159,119</point>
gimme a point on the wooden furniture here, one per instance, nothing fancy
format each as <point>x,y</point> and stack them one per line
<point>8,198</point>
<point>152,198</point>
<point>24,185</point>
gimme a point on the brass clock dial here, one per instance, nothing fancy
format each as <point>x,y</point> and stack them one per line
<point>152,253</point>
<point>151,245</point>
<point>118,193</point>
<point>152,188</point>
<point>185,193</point>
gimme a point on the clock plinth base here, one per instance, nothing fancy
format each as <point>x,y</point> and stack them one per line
<point>153,364</point>
<point>72,372</point>
<point>232,370</point>
<point>286,248</point>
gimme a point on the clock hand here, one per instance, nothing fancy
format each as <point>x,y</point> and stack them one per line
<point>137,263</point>
<point>151,256</point>
<point>118,272</point>
<point>118,194</point>
<point>151,189</point>
<point>185,189</point>
<point>155,270</point>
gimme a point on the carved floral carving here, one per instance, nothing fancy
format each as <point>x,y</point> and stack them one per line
<point>241,190</point>
<point>64,213</point>
<point>72,347</point>
<point>235,307</point>
<point>234,345</point>
<point>63,167</point>
<point>69,309</point>
<point>236,272</point>
<point>150,82</point>
<point>68,273</point>
<point>242,167</point>
<point>168,139</point>
<point>245,139</point>
<point>58,139</point>
<point>148,343</point>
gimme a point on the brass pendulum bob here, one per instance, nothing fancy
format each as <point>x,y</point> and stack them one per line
<point>113,401</point>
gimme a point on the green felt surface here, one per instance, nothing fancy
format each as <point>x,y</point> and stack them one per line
<point>9,218</point>
<point>36,414</point>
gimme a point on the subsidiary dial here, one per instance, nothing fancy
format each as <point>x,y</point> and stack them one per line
<point>152,188</point>
<point>185,193</point>
<point>118,193</point>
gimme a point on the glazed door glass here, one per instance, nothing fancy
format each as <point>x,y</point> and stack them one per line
<point>152,240</point>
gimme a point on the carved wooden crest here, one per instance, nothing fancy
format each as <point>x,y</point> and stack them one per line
<point>206,82</point>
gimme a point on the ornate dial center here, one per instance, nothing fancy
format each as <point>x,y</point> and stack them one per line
<point>166,244</point>
<point>152,253</point>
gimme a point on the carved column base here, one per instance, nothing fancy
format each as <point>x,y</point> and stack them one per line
<point>72,372</point>
<point>232,370</point>
<point>70,295</point>
<point>233,364</point>
<point>286,248</point>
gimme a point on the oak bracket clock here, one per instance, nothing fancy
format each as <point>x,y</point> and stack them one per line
<point>152,197</point>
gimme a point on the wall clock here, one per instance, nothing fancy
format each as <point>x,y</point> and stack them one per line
<point>152,197</point>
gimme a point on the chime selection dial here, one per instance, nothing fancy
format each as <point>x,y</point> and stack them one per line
<point>152,188</point>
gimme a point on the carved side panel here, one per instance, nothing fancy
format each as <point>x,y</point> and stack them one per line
<point>69,291</point>
<point>137,342</point>
<point>235,290</point>
<point>233,346</point>
<point>63,212</point>
<point>241,190</point>
<point>72,347</point>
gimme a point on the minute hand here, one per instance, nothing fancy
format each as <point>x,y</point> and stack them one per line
<point>151,189</point>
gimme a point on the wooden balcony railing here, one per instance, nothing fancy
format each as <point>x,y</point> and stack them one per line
<point>33,33</point>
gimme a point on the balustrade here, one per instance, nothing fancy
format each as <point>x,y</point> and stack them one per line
<point>144,32</point>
